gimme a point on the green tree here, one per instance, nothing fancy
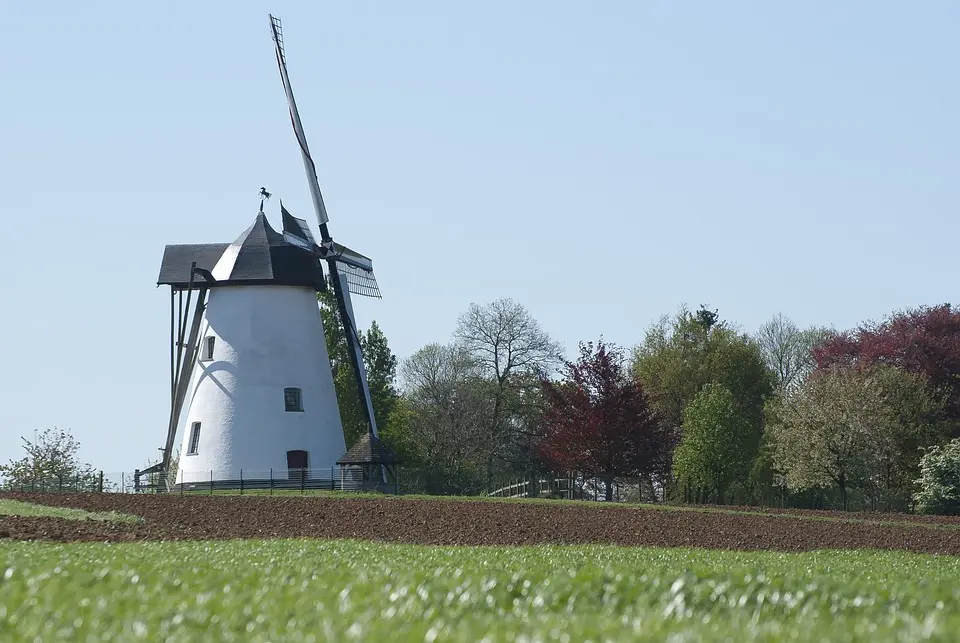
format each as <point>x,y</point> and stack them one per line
<point>717,444</point>
<point>379,362</point>
<point>398,433</point>
<point>50,461</point>
<point>938,488</point>
<point>921,420</point>
<point>681,355</point>
<point>381,366</point>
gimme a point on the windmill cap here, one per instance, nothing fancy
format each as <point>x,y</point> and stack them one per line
<point>259,256</point>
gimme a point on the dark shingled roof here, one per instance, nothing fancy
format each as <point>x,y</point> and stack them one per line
<point>262,257</point>
<point>369,450</point>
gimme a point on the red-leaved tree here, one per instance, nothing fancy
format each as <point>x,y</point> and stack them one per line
<point>924,340</point>
<point>599,421</point>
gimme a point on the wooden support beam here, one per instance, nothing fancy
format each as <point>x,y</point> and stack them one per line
<point>183,378</point>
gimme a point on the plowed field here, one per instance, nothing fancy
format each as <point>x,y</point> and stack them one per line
<point>470,522</point>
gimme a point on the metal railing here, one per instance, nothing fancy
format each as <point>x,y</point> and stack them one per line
<point>539,488</point>
<point>302,480</point>
<point>67,482</point>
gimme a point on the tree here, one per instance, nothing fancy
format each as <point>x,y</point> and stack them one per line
<point>851,428</point>
<point>787,350</point>
<point>443,416</point>
<point>510,350</point>
<point>379,362</point>
<point>939,483</point>
<point>599,421</point>
<point>50,461</point>
<point>924,340</point>
<point>920,421</point>
<point>381,366</point>
<point>681,355</point>
<point>717,444</point>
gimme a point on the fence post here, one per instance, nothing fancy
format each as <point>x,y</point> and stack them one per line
<point>100,483</point>
<point>241,482</point>
<point>211,482</point>
<point>303,480</point>
<point>333,479</point>
<point>271,481</point>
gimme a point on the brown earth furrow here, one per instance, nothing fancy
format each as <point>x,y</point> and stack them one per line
<point>873,516</point>
<point>452,522</point>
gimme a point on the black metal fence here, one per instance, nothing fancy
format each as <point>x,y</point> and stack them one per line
<point>96,482</point>
<point>312,481</point>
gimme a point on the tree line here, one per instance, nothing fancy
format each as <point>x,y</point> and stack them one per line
<point>698,411</point>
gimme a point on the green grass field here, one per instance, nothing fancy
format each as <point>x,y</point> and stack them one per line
<point>17,508</point>
<point>299,590</point>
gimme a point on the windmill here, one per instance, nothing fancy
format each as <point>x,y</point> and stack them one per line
<point>350,272</point>
<point>251,378</point>
<point>251,386</point>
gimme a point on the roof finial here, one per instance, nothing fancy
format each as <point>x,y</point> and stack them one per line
<point>264,196</point>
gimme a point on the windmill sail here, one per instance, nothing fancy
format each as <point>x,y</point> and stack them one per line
<point>349,270</point>
<point>358,271</point>
<point>308,165</point>
<point>359,281</point>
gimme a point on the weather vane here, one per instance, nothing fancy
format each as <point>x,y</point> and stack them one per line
<point>264,196</point>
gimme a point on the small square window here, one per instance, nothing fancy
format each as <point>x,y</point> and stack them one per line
<point>208,345</point>
<point>194,439</point>
<point>292,399</point>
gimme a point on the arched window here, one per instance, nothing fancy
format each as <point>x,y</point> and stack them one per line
<point>208,345</point>
<point>194,439</point>
<point>292,399</point>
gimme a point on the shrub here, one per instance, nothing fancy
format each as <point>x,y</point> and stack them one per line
<point>939,483</point>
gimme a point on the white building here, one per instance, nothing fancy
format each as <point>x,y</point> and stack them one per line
<point>261,399</point>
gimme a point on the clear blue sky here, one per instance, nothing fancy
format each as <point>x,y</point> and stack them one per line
<point>599,165</point>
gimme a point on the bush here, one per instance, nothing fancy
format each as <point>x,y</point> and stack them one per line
<point>939,483</point>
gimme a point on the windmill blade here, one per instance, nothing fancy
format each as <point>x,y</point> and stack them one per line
<point>350,271</point>
<point>353,340</point>
<point>308,164</point>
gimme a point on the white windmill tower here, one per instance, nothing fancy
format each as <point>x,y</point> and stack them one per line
<point>252,372</point>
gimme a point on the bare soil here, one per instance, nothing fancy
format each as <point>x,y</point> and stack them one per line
<point>466,522</point>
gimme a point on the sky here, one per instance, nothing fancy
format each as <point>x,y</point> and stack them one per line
<point>600,163</point>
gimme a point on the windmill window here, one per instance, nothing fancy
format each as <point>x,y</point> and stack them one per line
<point>194,439</point>
<point>208,346</point>
<point>292,399</point>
